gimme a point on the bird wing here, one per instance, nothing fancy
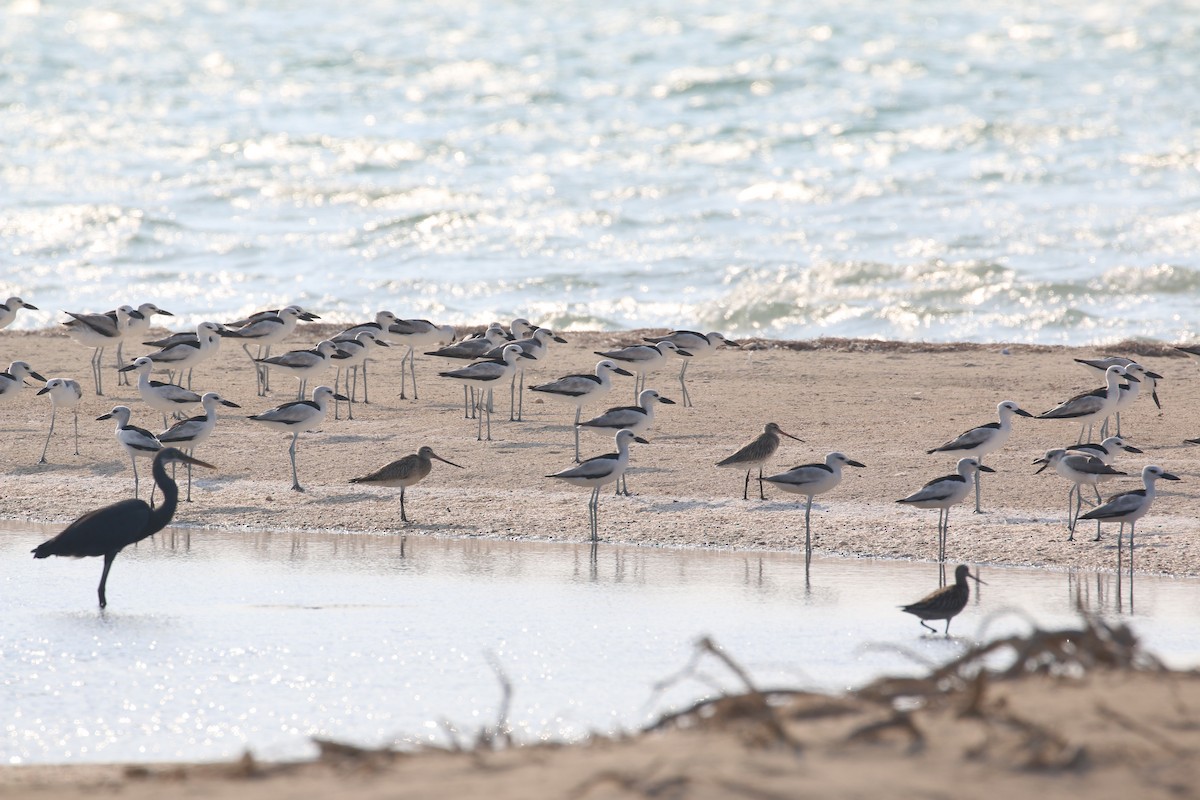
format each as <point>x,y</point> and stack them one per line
<point>595,467</point>
<point>1078,406</point>
<point>637,352</point>
<point>105,530</point>
<point>479,371</point>
<point>760,449</point>
<point>569,385</point>
<point>969,440</point>
<point>621,417</point>
<point>292,413</point>
<point>1118,505</point>
<point>937,489</point>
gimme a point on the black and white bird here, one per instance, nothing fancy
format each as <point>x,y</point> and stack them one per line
<point>404,472</point>
<point>472,349</point>
<point>756,454</point>
<point>187,355</point>
<point>167,399</point>
<point>137,442</point>
<point>265,329</point>
<point>644,359</point>
<point>582,389</point>
<point>303,364</point>
<point>351,354</point>
<point>1099,365</point>
<point>534,347</point>
<point>482,376</point>
<point>190,433</point>
<point>984,439</point>
<point>944,492</point>
<point>299,416</point>
<point>700,345</point>
<point>637,418</point>
<point>414,333</point>
<point>944,603</point>
<point>9,309</point>
<point>64,393</point>
<point>14,379</point>
<point>811,480</point>
<point>135,329</point>
<point>1080,469</point>
<point>599,471</point>
<point>1129,507</point>
<point>378,328</point>
<point>1088,408</point>
<point>106,531</point>
<point>98,331</point>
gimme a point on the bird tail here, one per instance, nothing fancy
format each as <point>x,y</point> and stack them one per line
<point>43,550</point>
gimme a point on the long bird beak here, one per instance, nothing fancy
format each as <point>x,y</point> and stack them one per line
<point>127,368</point>
<point>560,339</point>
<point>35,375</point>
<point>983,468</point>
<point>1153,375</point>
<point>666,400</point>
<point>230,404</point>
<point>444,461</point>
<point>625,372</point>
<point>679,352</point>
<point>341,397</point>
<point>186,459</point>
<point>977,579</point>
<point>1154,397</point>
<point>43,390</point>
<point>102,416</point>
<point>852,463</point>
<point>1131,449</point>
<point>1130,378</point>
<point>647,441</point>
<point>32,308</point>
<point>1022,412</point>
<point>1166,476</point>
<point>785,433</point>
<point>523,354</point>
<point>1045,462</point>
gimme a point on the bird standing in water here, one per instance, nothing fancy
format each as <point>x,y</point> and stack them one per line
<point>108,530</point>
<point>946,602</point>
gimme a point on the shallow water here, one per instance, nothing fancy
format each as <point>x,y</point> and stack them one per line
<point>946,170</point>
<point>214,642</point>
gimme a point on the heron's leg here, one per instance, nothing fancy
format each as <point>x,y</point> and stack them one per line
<point>108,559</point>
<point>292,451</point>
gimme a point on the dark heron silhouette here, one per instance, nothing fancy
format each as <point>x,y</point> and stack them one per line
<point>405,472</point>
<point>946,602</point>
<point>108,530</point>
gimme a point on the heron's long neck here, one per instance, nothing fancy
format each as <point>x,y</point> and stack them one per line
<point>161,515</point>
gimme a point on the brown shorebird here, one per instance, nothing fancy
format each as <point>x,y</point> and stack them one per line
<point>405,472</point>
<point>757,452</point>
<point>946,602</point>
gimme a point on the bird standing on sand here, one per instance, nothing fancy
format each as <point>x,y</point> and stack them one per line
<point>643,359</point>
<point>632,418</point>
<point>1129,507</point>
<point>698,344</point>
<point>1088,408</point>
<point>811,480</point>
<point>108,530</point>
<point>600,471</point>
<point>944,603</point>
<point>98,331</point>
<point>756,453</point>
<point>487,375</point>
<point>984,439</point>
<point>190,433</point>
<point>415,333</point>
<point>1078,468</point>
<point>68,394</point>
<point>137,442</point>
<point>944,492</point>
<point>405,472</point>
<point>165,398</point>
<point>579,389</point>
<point>297,416</point>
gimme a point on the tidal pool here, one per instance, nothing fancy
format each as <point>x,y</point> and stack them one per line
<point>215,642</point>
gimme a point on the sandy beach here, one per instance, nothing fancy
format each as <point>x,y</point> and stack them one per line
<point>1109,733</point>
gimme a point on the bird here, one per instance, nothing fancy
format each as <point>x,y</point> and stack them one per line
<point>378,327</point>
<point>415,333</point>
<point>405,472</point>
<point>188,354</point>
<point>98,331</point>
<point>14,379</point>
<point>811,480</point>
<point>757,452</point>
<point>944,492</point>
<point>984,439</point>
<point>135,441</point>
<point>303,364</point>
<point>1078,468</point>
<point>190,433</point>
<point>1129,507</point>
<point>351,354</point>
<point>698,344</point>
<point>1106,450</point>
<point>1091,407</point>
<point>265,329</point>
<point>108,530</point>
<point>472,350</point>
<point>635,418</point>
<point>135,329</point>
<point>485,374</point>
<point>534,347</point>
<point>579,389</point>
<point>68,394</point>
<point>1101,364</point>
<point>165,398</point>
<point>1128,393</point>
<point>944,603</point>
<point>599,471</point>
<point>297,416</point>
<point>9,309</point>
<point>643,359</point>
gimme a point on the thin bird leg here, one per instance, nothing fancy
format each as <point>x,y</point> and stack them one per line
<point>76,431</point>
<point>578,411</point>
<point>466,411</point>
<point>403,517</point>
<point>133,461</point>
<point>403,368</point>
<point>1072,512</point>
<point>978,510</point>
<point>258,369</point>
<point>122,378</point>
<point>366,400</point>
<point>188,499</point>
<point>265,351</point>
<point>594,507</point>
<point>807,533</point>
<point>746,486</point>
<point>948,627</point>
<point>412,369</point>
<point>1131,526</point>
<point>521,395</point>
<point>97,356</point>
<point>108,559</point>
<point>489,422</point>
<point>687,398</point>
<point>337,377</point>
<point>45,447</point>
<point>1118,423</point>
<point>292,451</point>
<point>512,399</point>
<point>930,627</point>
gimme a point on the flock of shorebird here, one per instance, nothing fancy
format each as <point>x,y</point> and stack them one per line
<point>493,359</point>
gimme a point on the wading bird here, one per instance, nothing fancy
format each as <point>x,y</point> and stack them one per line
<point>404,473</point>
<point>108,530</point>
<point>1129,507</point>
<point>944,492</point>
<point>297,416</point>
<point>9,309</point>
<point>137,442</point>
<point>811,480</point>
<point>984,439</point>
<point>68,394</point>
<point>755,454</point>
<point>946,602</point>
<point>699,345</point>
<point>579,389</point>
<point>600,471</point>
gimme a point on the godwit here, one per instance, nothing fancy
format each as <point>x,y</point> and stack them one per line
<point>699,345</point>
<point>485,374</point>
<point>984,439</point>
<point>643,359</point>
<point>756,454</point>
<point>811,480</point>
<point>1079,469</point>
<point>137,442</point>
<point>1089,408</point>
<point>1129,507</point>
<point>404,473</point>
<point>944,603</point>
<point>190,433</point>
<point>600,471</point>
<point>68,394</point>
<point>107,531</point>
<point>944,492</point>
<point>580,389</point>
<point>297,416</point>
